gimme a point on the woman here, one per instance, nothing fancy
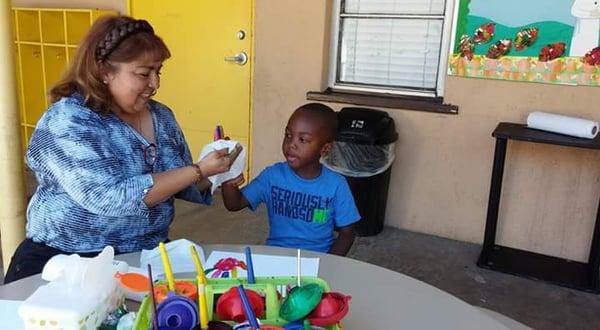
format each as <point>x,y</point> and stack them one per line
<point>109,160</point>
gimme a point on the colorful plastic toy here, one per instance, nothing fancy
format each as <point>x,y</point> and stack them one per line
<point>301,300</point>
<point>184,288</point>
<point>230,305</point>
<point>177,313</point>
<point>331,309</point>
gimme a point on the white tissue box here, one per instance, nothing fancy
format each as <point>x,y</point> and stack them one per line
<point>49,307</point>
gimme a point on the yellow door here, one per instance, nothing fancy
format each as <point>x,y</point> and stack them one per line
<point>207,81</point>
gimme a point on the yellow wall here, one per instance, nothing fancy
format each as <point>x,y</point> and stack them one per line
<point>440,181</point>
<point>117,5</point>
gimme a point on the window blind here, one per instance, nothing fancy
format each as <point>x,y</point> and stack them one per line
<point>390,43</point>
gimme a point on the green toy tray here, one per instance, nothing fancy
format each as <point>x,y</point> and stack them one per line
<point>270,287</point>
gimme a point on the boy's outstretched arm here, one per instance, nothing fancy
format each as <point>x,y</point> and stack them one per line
<point>344,241</point>
<point>232,196</point>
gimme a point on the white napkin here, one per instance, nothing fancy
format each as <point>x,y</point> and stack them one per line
<point>179,254</point>
<point>236,168</point>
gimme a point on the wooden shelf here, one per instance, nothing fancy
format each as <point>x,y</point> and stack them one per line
<point>569,273</point>
<point>532,265</point>
<point>521,132</point>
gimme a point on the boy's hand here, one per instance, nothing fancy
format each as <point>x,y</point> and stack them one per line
<point>232,196</point>
<point>235,182</point>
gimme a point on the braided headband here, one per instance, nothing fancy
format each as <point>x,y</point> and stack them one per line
<point>118,34</point>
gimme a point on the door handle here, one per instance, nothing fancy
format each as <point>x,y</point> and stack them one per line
<point>240,58</point>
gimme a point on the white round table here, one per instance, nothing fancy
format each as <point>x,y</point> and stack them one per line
<point>381,298</point>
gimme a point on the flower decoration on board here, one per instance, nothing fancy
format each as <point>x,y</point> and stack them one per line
<point>526,38</point>
<point>466,47</point>
<point>592,57</point>
<point>552,51</point>
<point>499,49</point>
<point>484,33</point>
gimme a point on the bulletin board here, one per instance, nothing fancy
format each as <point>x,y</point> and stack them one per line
<point>540,41</point>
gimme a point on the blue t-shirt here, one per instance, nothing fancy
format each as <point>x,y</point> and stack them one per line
<point>302,213</point>
<point>93,177</point>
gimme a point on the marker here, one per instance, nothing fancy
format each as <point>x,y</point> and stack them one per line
<point>202,305</point>
<point>154,314</point>
<point>251,279</point>
<point>219,133</point>
<point>248,308</point>
<point>198,264</point>
<point>167,266</point>
<point>299,261</point>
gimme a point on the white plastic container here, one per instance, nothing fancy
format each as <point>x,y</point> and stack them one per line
<point>79,300</point>
<point>51,308</point>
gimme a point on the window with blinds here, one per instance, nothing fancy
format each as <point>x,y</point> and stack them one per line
<point>390,46</point>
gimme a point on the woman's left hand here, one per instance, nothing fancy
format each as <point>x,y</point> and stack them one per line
<point>219,161</point>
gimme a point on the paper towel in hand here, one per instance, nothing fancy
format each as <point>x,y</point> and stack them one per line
<point>236,168</point>
<point>179,254</point>
<point>572,126</point>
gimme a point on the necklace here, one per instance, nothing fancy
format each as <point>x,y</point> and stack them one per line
<point>145,131</point>
<point>139,123</point>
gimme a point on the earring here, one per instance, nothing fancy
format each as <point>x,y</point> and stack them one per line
<point>105,82</point>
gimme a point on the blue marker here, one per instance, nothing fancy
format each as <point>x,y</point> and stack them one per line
<point>248,308</point>
<point>251,279</point>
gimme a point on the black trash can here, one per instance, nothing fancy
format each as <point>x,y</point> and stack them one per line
<point>364,152</point>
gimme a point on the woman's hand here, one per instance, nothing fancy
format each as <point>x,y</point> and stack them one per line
<point>219,161</point>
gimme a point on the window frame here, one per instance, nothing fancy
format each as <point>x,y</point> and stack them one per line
<point>448,30</point>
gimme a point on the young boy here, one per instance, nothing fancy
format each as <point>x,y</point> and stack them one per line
<point>306,201</point>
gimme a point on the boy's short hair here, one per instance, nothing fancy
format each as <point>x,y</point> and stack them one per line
<point>327,117</point>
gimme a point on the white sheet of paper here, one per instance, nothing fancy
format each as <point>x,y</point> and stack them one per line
<point>8,315</point>
<point>179,254</point>
<point>268,265</point>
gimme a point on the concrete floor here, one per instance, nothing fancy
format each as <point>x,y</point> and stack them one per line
<point>445,264</point>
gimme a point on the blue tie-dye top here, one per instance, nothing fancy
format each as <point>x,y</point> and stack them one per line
<point>93,177</point>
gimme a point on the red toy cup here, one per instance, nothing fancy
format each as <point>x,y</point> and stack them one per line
<point>330,310</point>
<point>230,307</point>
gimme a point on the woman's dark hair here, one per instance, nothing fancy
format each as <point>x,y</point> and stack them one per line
<point>111,39</point>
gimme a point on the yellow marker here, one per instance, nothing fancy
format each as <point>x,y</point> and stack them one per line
<point>234,272</point>
<point>198,264</point>
<point>202,308</point>
<point>167,266</point>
